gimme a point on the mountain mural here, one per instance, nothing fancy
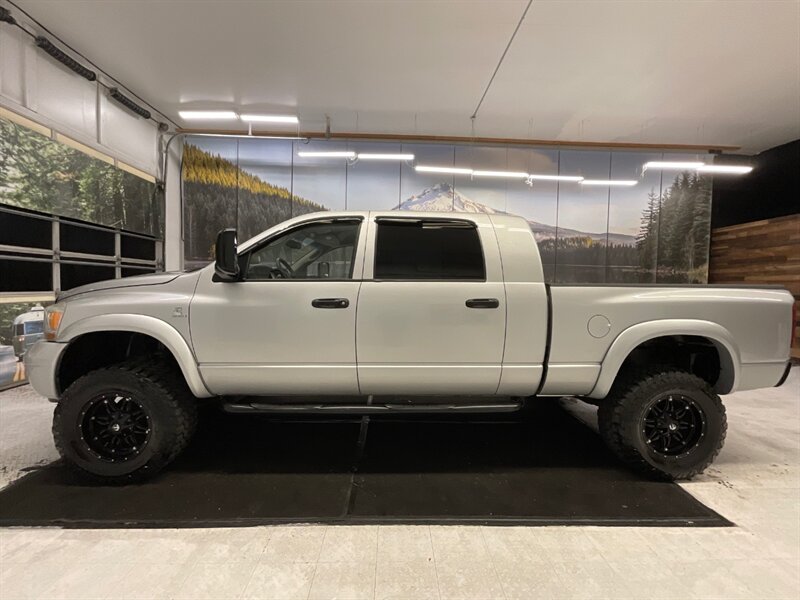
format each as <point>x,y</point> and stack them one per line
<point>442,197</point>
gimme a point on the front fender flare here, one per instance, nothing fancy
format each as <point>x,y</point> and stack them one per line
<point>151,326</point>
<point>636,335</point>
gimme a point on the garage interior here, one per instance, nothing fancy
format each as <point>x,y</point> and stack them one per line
<point>649,143</point>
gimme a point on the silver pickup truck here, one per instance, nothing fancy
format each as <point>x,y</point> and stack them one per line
<point>378,312</point>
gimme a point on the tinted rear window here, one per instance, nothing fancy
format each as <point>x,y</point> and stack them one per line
<point>416,249</point>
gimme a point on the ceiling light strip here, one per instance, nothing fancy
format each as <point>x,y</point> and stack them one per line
<point>373,156</point>
<point>508,174</point>
<point>435,169</point>
<point>251,118</point>
<point>610,182</point>
<point>668,165</point>
<point>534,176</point>
<point>218,115</point>
<point>335,154</point>
<point>725,169</point>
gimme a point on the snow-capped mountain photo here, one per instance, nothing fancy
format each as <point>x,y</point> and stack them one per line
<point>442,197</point>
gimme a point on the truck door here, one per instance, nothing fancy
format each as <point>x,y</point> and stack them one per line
<point>289,325</point>
<point>431,310</point>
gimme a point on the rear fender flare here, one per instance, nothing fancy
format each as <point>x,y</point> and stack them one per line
<point>627,341</point>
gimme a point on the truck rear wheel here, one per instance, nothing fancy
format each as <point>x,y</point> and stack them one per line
<point>126,422</point>
<point>665,424</point>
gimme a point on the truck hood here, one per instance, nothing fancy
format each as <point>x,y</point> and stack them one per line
<point>136,280</point>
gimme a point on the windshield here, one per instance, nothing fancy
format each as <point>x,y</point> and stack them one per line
<point>34,327</point>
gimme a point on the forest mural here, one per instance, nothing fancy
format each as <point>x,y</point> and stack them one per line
<point>656,231</point>
<point>42,174</point>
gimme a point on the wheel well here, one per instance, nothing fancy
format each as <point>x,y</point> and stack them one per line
<point>103,348</point>
<point>694,354</point>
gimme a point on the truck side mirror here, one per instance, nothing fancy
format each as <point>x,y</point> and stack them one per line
<point>226,266</point>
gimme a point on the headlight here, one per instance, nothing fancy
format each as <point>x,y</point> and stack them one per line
<point>52,319</point>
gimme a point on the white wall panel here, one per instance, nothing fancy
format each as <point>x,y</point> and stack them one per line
<point>12,65</point>
<point>36,86</point>
<point>133,137</point>
<point>66,98</point>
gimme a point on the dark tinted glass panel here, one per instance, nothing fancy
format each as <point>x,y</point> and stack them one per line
<point>133,272</point>
<point>136,247</point>
<point>34,327</point>
<point>20,230</point>
<point>25,276</point>
<point>86,239</point>
<point>75,275</point>
<point>428,250</point>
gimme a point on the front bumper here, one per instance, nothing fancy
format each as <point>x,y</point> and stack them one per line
<point>41,364</point>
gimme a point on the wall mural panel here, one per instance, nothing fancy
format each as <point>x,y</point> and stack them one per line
<point>40,173</point>
<point>654,231</point>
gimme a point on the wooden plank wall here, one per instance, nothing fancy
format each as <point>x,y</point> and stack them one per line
<point>759,252</point>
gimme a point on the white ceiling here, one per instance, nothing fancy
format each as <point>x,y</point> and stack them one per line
<point>693,72</point>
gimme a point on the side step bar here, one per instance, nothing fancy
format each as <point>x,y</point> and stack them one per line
<point>263,407</point>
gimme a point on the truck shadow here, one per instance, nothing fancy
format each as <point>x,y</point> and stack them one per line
<point>539,466</point>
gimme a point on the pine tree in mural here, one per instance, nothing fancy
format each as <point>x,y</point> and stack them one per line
<point>218,194</point>
<point>39,173</point>
<point>647,240</point>
<point>675,230</point>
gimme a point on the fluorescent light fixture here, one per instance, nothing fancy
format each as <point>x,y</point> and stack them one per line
<point>207,114</point>
<point>432,169</point>
<point>369,156</point>
<point>509,174</point>
<point>270,119</point>
<point>334,154</point>
<point>620,182</point>
<point>556,177</point>
<point>668,165</point>
<point>725,169</point>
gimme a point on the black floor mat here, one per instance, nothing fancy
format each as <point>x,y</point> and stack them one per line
<point>535,467</point>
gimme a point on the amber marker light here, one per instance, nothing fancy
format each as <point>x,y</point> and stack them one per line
<point>52,320</point>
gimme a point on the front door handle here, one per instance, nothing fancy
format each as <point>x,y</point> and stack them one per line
<point>483,303</point>
<point>330,303</point>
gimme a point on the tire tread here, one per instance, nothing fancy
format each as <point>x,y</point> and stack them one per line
<point>179,399</point>
<point>629,388</point>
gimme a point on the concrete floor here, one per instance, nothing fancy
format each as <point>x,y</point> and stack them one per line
<point>754,483</point>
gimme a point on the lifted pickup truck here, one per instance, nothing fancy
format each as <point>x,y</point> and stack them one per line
<point>357,309</point>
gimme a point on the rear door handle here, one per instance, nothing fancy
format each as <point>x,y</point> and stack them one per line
<point>483,303</point>
<point>330,303</point>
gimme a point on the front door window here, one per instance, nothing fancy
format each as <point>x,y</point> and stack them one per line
<point>320,250</point>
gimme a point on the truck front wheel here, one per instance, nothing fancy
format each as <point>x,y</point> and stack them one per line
<point>666,424</point>
<point>123,423</point>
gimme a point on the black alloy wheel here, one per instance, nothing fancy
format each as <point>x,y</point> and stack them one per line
<point>124,423</point>
<point>664,423</point>
<point>115,426</point>
<point>673,425</point>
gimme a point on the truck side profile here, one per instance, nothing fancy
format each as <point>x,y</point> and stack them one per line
<point>449,310</point>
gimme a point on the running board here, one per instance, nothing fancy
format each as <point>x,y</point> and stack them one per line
<point>263,407</point>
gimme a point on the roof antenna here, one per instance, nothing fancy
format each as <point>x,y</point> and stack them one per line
<point>327,127</point>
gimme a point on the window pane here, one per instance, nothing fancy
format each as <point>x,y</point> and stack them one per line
<point>34,327</point>
<point>316,251</point>
<point>428,250</point>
